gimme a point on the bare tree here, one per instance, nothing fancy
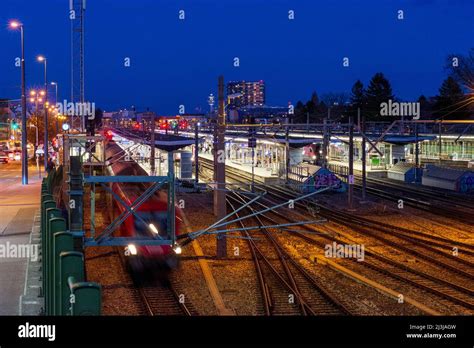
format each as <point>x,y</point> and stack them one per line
<point>461,68</point>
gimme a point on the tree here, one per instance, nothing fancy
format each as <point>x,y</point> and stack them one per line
<point>358,94</point>
<point>312,104</point>
<point>300,112</point>
<point>335,98</point>
<point>425,106</point>
<point>461,68</point>
<point>451,102</point>
<point>379,91</point>
<point>37,120</point>
<point>358,98</point>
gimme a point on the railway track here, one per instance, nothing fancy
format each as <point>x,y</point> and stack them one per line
<point>403,241</point>
<point>451,198</point>
<point>447,290</point>
<point>449,293</point>
<point>399,272</point>
<point>163,300</point>
<point>286,287</point>
<point>159,298</point>
<point>441,210</point>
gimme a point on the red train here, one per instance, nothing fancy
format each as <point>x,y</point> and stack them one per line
<point>312,153</point>
<point>153,212</point>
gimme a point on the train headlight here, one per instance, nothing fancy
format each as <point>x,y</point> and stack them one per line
<point>314,157</point>
<point>131,249</point>
<point>153,228</point>
<point>177,249</point>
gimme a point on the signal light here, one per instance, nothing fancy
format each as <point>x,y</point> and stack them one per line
<point>109,135</point>
<point>15,126</point>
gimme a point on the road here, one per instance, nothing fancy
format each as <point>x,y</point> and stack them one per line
<point>18,205</point>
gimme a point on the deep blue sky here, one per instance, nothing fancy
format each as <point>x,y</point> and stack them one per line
<point>177,62</point>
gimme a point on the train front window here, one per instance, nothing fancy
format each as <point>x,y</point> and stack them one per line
<point>157,218</point>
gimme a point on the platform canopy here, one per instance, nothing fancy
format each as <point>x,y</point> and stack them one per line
<point>165,142</point>
<point>294,142</point>
<point>406,139</point>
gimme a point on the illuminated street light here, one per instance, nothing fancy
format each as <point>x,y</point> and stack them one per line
<point>15,24</point>
<point>24,149</point>
<point>55,84</point>
<point>33,93</point>
<point>42,59</point>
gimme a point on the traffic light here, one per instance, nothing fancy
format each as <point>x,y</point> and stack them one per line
<point>15,125</point>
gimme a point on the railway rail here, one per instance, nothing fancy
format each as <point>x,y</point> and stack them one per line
<point>450,293</point>
<point>159,298</point>
<point>271,263</point>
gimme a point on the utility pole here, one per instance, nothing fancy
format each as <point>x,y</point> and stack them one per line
<point>152,141</point>
<point>45,119</point>
<point>24,149</point>
<point>364,156</point>
<point>219,169</point>
<point>350,177</point>
<point>196,152</point>
<point>440,141</point>
<point>417,151</point>
<point>287,154</point>
<point>252,142</point>
<point>325,144</point>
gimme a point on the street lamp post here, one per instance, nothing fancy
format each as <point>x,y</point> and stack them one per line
<point>24,149</point>
<point>36,147</point>
<point>55,84</point>
<point>46,147</point>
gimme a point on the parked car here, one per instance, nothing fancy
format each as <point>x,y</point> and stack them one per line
<point>4,157</point>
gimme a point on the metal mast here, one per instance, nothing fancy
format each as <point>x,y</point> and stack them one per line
<point>76,14</point>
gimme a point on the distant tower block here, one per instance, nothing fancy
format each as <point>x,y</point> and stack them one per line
<point>77,10</point>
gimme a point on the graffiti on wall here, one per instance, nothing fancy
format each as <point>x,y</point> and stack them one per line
<point>466,183</point>
<point>324,178</point>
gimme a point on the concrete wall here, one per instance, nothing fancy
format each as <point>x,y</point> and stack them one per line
<point>445,184</point>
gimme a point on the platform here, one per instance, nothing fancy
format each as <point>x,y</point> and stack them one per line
<point>263,175</point>
<point>343,167</point>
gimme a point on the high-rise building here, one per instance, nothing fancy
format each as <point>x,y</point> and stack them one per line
<point>244,93</point>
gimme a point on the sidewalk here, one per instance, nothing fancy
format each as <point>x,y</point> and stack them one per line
<point>18,206</point>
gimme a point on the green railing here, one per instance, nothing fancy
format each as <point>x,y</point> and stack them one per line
<point>65,290</point>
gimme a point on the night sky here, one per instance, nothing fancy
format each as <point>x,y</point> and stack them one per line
<point>177,62</point>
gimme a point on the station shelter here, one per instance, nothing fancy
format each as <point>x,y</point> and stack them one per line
<point>268,155</point>
<point>392,149</point>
